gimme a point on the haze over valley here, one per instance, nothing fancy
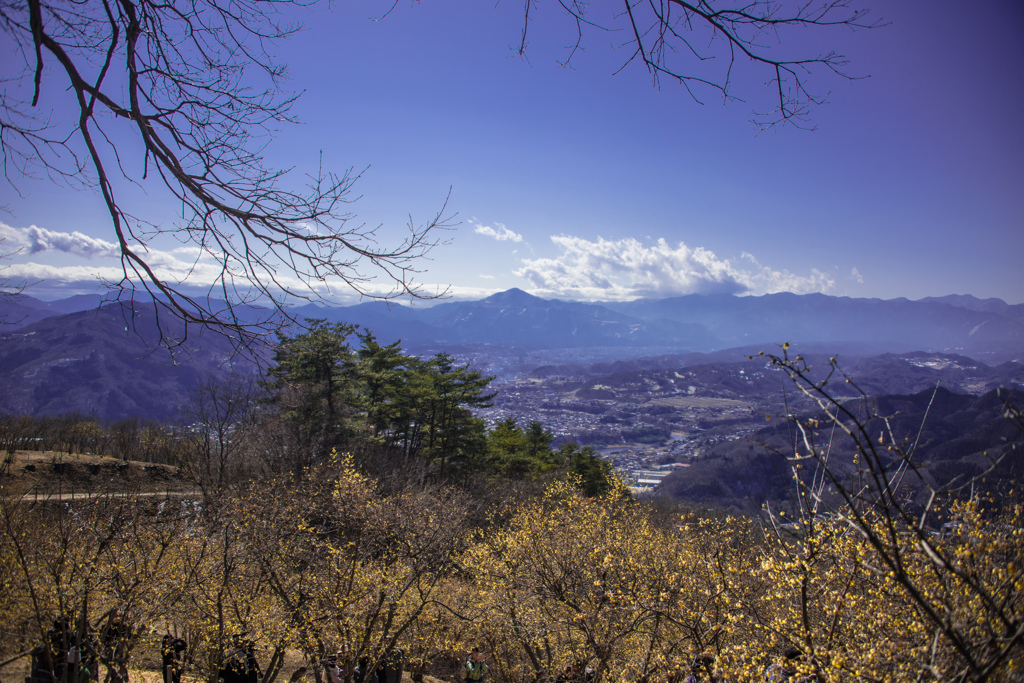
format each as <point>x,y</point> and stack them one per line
<point>654,386</point>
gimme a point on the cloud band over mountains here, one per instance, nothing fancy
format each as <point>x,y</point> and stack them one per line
<point>184,264</point>
<point>628,269</point>
<point>584,270</point>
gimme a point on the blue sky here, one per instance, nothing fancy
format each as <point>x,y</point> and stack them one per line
<point>579,183</point>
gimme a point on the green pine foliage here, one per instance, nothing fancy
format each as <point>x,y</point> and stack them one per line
<point>335,388</point>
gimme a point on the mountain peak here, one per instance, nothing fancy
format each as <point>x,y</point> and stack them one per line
<point>512,296</point>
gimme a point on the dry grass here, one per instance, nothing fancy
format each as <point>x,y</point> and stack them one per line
<point>51,472</point>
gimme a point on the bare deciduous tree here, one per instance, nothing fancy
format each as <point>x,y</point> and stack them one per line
<point>704,45</point>
<point>181,97</point>
<point>970,608</point>
<point>219,420</point>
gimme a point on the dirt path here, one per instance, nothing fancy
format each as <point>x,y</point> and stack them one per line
<point>35,496</point>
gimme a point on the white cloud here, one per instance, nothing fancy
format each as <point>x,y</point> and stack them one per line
<point>188,268</point>
<point>501,233</point>
<point>36,240</point>
<point>184,264</point>
<point>197,277</point>
<point>855,274</point>
<point>190,277</point>
<point>188,252</point>
<point>627,269</point>
<point>487,277</point>
<point>64,274</point>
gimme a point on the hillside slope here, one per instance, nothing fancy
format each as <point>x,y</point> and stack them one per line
<point>962,436</point>
<point>106,362</point>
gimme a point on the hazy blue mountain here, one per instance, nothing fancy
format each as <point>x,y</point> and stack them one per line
<point>704,323</point>
<point>514,318</point>
<point>78,302</point>
<point>104,362</point>
<point>19,310</point>
<point>988,329</point>
<point>389,322</point>
<point>899,324</point>
<point>91,361</point>
<point>967,301</point>
<point>517,318</point>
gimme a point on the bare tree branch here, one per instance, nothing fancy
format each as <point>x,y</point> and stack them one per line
<point>183,96</point>
<point>891,522</point>
<point>703,44</point>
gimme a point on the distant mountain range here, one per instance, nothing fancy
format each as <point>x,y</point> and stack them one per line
<point>989,330</point>
<point>70,355</point>
<point>20,310</point>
